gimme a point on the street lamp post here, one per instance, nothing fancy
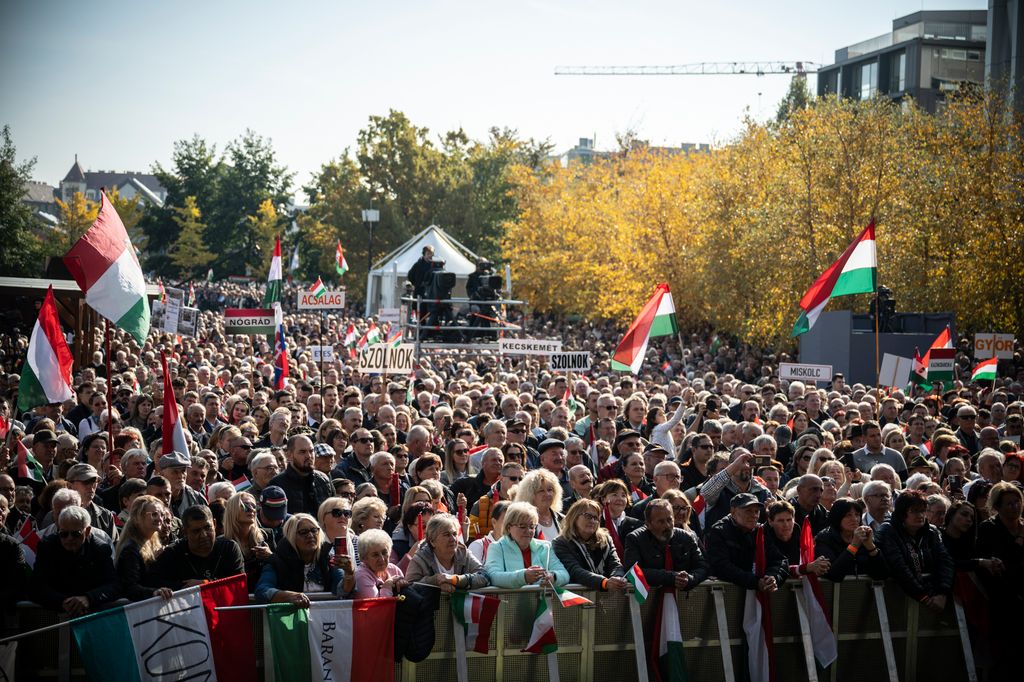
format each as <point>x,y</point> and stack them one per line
<point>370,216</point>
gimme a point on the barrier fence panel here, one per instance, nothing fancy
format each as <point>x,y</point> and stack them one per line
<point>596,642</point>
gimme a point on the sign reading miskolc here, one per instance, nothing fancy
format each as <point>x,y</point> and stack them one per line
<point>330,300</point>
<point>804,372</point>
<point>251,321</point>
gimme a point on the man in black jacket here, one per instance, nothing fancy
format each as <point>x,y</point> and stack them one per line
<point>200,556</point>
<point>731,546</point>
<point>419,273</point>
<point>684,568</point>
<point>474,487</point>
<point>305,487</point>
<point>74,571</point>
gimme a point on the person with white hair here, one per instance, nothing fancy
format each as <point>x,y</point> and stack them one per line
<point>74,571</point>
<point>877,496</point>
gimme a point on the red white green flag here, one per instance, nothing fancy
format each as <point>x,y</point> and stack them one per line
<point>318,289</point>
<point>636,578</point>
<point>943,340</point>
<point>172,435</point>
<point>919,374</point>
<point>569,598</point>
<point>104,265</point>
<point>28,538</point>
<point>29,467</point>
<point>855,272</point>
<point>476,613</point>
<point>823,640</point>
<point>272,296</point>
<point>340,264</point>
<point>656,318</point>
<point>986,371</point>
<point>46,374</point>
<point>542,638</point>
<point>350,335</point>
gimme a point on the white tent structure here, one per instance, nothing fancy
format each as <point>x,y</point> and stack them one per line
<point>385,283</point>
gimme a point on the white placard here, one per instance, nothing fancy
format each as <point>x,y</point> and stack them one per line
<point>803,372</point>
<point>990,345</point>
<point>172,309</point>
<point>381,358</point>
<point>331,300</point>
<point>570,362</point>
<point>895,372</point>
<point>528,347</point>
<point>322,353</point>
<point>391,315</point>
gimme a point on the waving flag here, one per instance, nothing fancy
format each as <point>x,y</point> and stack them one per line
<point>340,264</point>
<point>542,637</point>
<point>394,338</point>
<point>272,296</point>
<point>476,614</point>
<point>318,289</point>
<point>333,640</point>
<point>191,295</point>
<point>569,598</point>
<point>29,467</point>
<point>184,637</point>
<point>986,371</point>
<point>28,538</point>
<point>919,373</point>
<point>855,272</point>
<point>757,621</point>
<point>172,434</point>
<point>657,318</point>
<point>822,638</point>
<point>943,340</point>
<point>699,511</point>
<point>350,335</point>
<point>104,265</point>
<point>636,578</point>
<point>46,374</point>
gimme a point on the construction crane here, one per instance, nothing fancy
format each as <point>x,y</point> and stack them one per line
<point>697,69</point>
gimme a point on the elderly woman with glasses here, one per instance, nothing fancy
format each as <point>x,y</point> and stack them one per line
<point>586,550</point>
<point>241,526</point>
<point>302,564</point>
<point>914,552</point>
<point>518,558</point>
<point>445,562</point>
<point>376,576</point>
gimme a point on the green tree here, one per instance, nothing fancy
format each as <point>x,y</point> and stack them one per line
<point>131,212</point>
<point>21,253</point>
<point>797,97</point>
<point>76,217</point>
<point>189,253</point>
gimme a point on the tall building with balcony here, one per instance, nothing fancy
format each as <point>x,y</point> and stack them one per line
<point>926,55</point>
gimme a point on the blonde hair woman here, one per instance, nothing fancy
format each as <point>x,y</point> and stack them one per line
<point>519,558</point>
<point>586,550</point>
<point>240,525</point>
<point>138,547</point>
<point>302,564</point>
<point>541,489</point>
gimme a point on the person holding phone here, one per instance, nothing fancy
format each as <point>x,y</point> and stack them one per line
<point>240,525</point>
<point>335,517</point>
<point>302,565</point>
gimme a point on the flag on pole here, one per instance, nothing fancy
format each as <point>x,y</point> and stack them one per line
<point>919,373</point>
<point>700,508</point>
<point>943,340</point>
<point>350,335</point>
<point>636,578</point>
<point>173,434</point>
<point>476,614</point>
<point>855,272</point>
<point>671,662</point>
<point>333,640</point>
<point>569,598</point>
<point>29,467</point>
<point>542,637</point>
<point>46,374</point>
<point>28,538</point>
<point>294,265</point>
<point>318,289</point>
<point>657,318</point>
<point>272,296</point>
<point>280,358</point>
<point>823,640</point>
<point>373,334</point>
<point>104,265</point>
<point>394,338</point>
<point>162,290</point>
<point>986,371</point>
<point>209,275</point>
<point>340,264</point>
<point>757,622</point>
<point>241,483</point>
<point>184,637</point>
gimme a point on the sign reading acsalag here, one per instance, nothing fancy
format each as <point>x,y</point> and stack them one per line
<point>570,362</point>
<point>329,300</point>
<point>794,372</point>
<point>528,347</point>
<point>252,321</point>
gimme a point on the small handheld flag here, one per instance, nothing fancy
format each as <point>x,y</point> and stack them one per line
<point>986,371</point>
<point>641,589</point>
<point>340,264</point>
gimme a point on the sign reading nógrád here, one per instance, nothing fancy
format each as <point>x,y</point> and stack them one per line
<point>252,321</point>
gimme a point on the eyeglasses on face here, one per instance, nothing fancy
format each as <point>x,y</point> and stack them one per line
<point>514,479</point>
<point>249,507</point>
<point>65,534</point>
<point>362,440</point>
<point>341,513</point>
<point>590,517</point>
<point>348,495</point>
<point>460,451</point>
<point>306,532</point>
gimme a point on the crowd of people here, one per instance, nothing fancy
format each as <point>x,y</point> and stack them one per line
<point>479,470</point>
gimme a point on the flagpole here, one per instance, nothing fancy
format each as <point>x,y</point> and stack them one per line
<point>110,388</point>
<point>878,367</point>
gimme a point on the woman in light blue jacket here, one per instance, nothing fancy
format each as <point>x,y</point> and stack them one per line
<point>518,558</point>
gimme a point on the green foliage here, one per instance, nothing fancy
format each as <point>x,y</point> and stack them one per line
<point>76,217</point>
<point>189,253</point>
<point>21,254</point>
<point>798,97</point>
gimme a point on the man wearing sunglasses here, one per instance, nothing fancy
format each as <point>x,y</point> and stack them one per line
<point>356,466</point>
<point>74,571</point>
<point>480,523</point>
<point>473,487</point>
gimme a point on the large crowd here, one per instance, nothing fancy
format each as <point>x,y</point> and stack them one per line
<point>478,470</point>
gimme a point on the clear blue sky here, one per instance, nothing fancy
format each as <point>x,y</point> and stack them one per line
<point>118,82</point>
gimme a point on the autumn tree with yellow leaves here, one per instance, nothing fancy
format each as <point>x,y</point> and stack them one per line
<point>742,231</point>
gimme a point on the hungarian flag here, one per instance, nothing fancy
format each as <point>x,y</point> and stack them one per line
<point>340,264</point>
<point>28,538</point>
<point>671,664</point>
<point>542,638</point>
<point>191,295</point>
<point>854,273</point>
<point>637,495</point>
<point>318,289</point>
<point>184,637</point>
<point>943,340</point>
<point>161,289</point>
<point>280,358</point>
<point>657,318</point>
<point>241,483</point>
<point>46,374</point>
<point>919,374</point>
<point>29,467</point>
<point>700,508</point>
<point>636,578</point>
<point>350,335</point>
<point>104,265</point>
<point>394,338</point>
<point>476,614</point>
<point>5,426</point>
<point>568,598</point>
<point>986,371</point>
<point>757,622</point>
<point>371,337</point>
<point>173,434</point>
<point>823,640</point>
<point>272,296</point>
<point>333,640</point>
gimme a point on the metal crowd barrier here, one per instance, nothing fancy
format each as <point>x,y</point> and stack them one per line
<point>596,642</point>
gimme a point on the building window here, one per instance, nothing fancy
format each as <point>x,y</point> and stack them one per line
<point>898,73</point>
<point>868,80</point>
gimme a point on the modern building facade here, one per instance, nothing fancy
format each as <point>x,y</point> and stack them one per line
<point>927,55</point>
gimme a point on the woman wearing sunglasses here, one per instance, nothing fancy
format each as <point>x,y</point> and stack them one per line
<point>335,516</point>
<point>302,565</point>
<point>240,525</point>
